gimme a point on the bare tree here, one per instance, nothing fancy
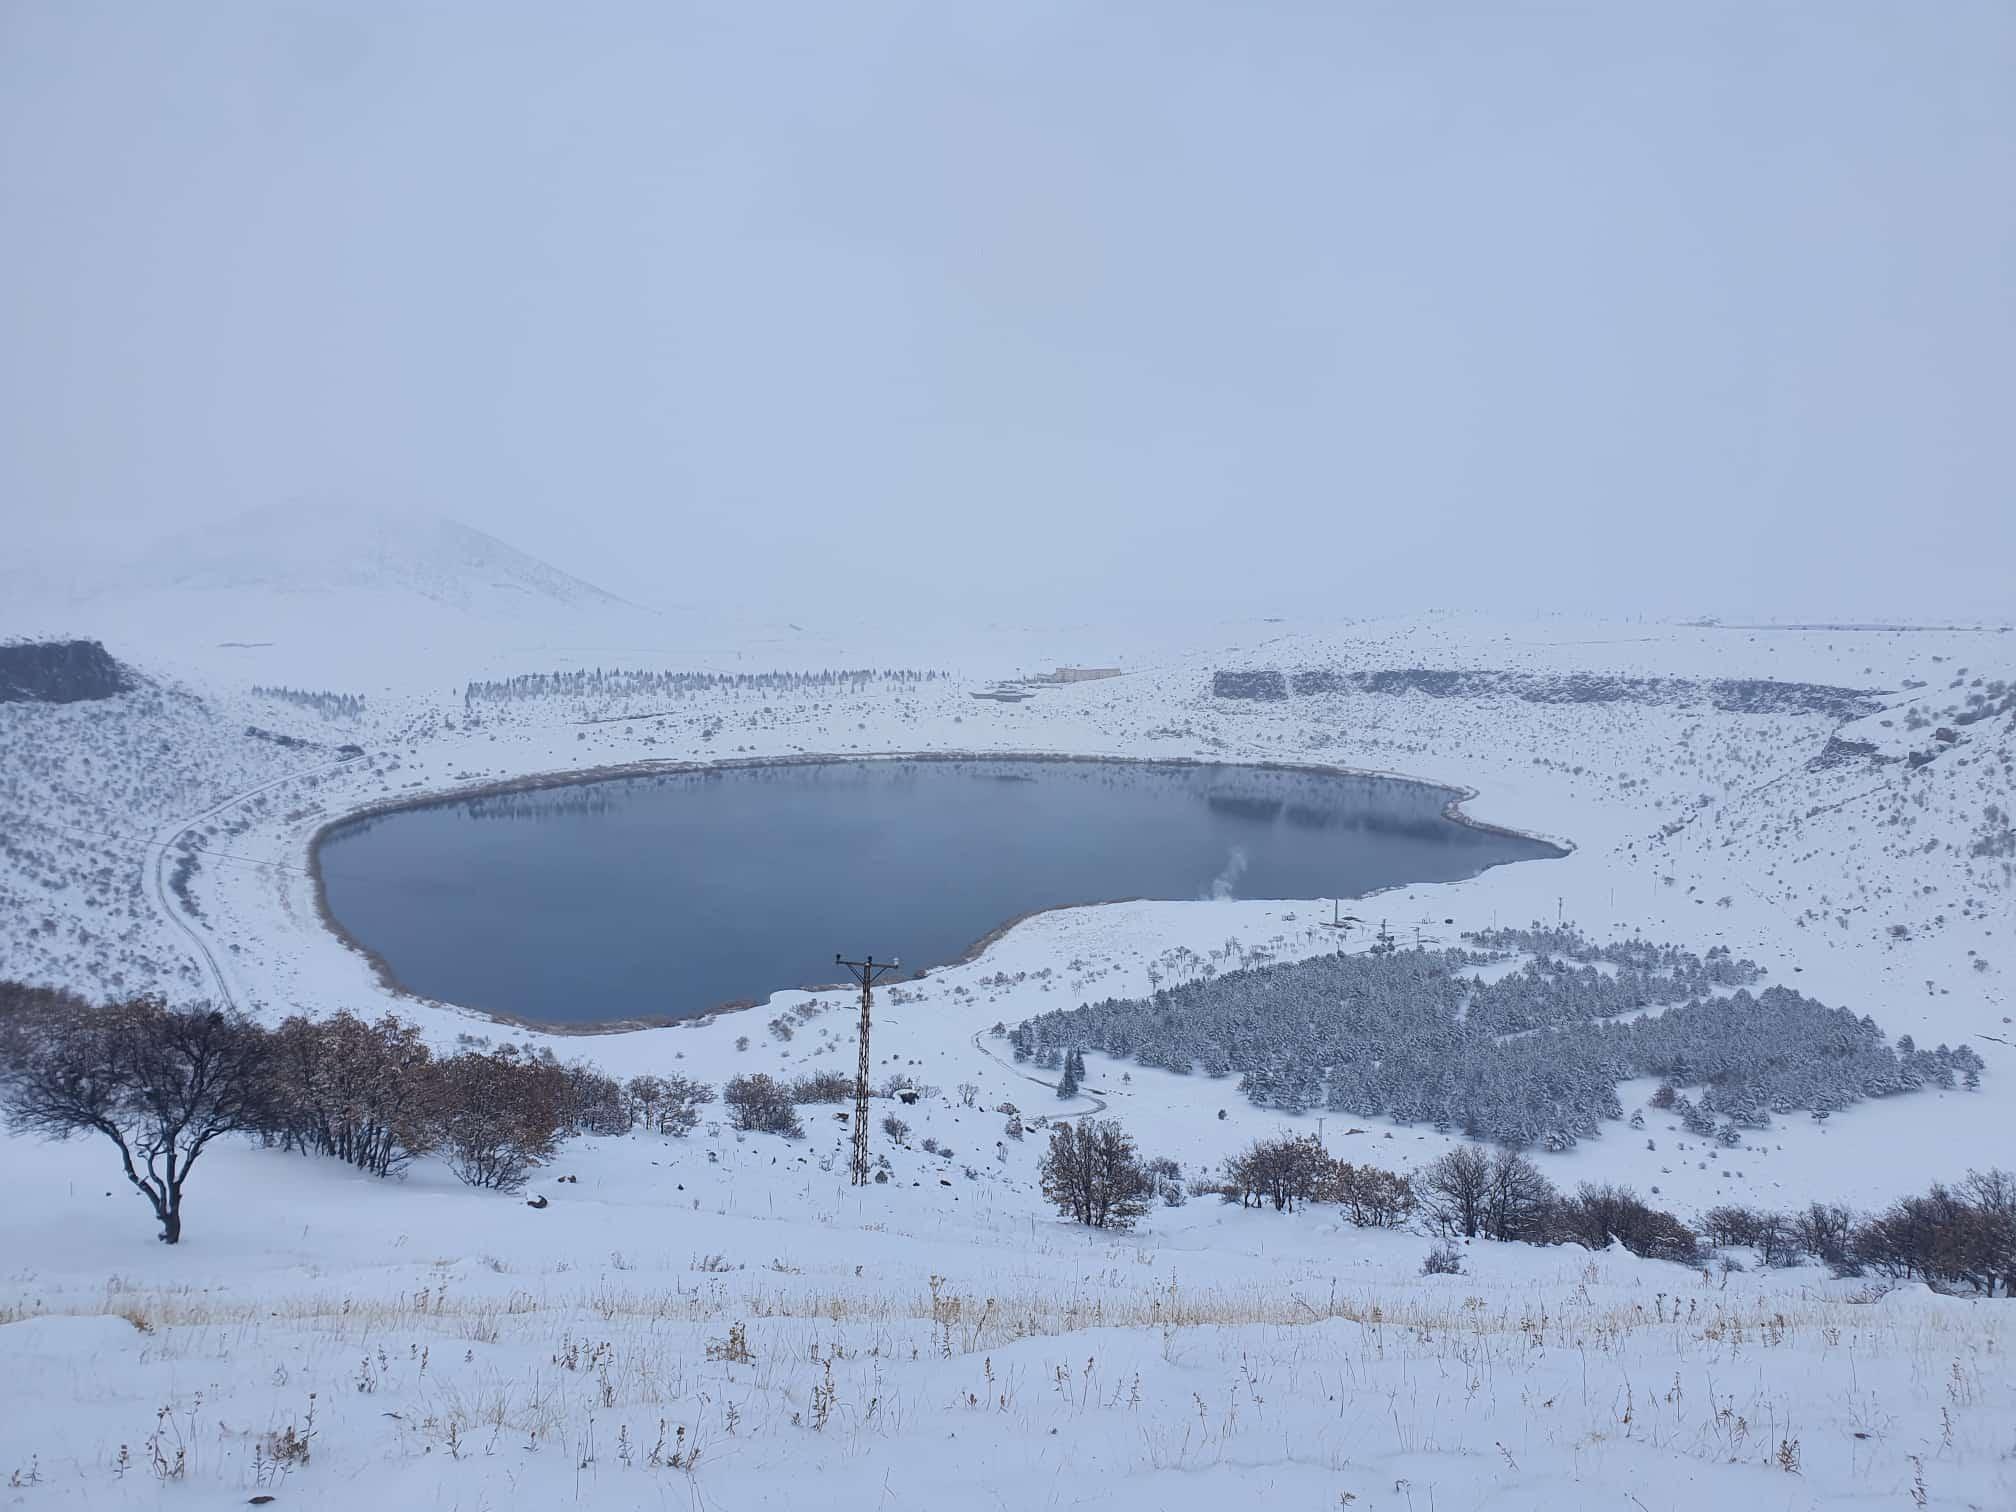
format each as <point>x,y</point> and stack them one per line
<point>1956,1237</point>
<point>1284,1170</point>
<point>1595,1215</point>
<point>647,1094</point>
<point>1778,1242</point>
<point>1370,1197</point>
<point>1092,1173</point>
<point>591,1102</point>
<point>497,1116</point>
<point>160,1083</point>
<point>668,1104</point>
<point>684,1098</point>
<point>1731,1223</point>
<point>353,1090</point>
<point>1992,1195</point>
<point>1519,1200</point>
<point>1456,1188</point>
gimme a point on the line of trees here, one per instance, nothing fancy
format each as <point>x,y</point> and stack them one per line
<point>163,1084</point>
<point>614,682</point>
<point>374,1095</point>
<point>1958,1236</point>
<point>1294,1168</point>
<point>328,705</point>
<point>1502,1195</point>
<point>1736,695</point>
<point>1093,1173</point>
<point>1962,1237</point>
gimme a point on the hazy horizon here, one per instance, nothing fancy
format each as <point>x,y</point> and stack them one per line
<point>1607,310</point>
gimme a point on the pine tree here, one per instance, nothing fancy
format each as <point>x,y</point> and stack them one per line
<point>1420,1036</point>
<point>1067,1084</point>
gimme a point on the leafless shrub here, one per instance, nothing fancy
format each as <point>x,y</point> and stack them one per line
<point>1443,1260</point>
<point>823,1087</point>
<point>497,1116</point>
<point>762,1105</point>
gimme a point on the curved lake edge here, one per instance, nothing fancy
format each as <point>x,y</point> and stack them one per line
<point>381,969</point>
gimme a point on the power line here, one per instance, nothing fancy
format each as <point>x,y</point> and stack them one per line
<point>867,973</point>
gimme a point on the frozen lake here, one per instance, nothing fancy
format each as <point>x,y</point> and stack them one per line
<point>664,896</point>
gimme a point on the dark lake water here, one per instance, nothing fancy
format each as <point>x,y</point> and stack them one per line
<point>662,897</point>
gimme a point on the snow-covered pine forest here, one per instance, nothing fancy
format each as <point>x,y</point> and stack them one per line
<point>328,705</point>
<point>598,682</point>
<point>1521,1040</point>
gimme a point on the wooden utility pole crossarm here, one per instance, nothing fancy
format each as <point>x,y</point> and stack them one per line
<point>867,973</point>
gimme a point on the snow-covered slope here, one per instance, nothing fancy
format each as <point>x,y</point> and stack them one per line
<point>1866,864</point>
<point>300,549</point>
<point>723,1322</point>
<point>898,1341</point>
<point>294,596</point>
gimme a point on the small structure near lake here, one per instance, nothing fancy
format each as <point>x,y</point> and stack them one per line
<point>1077,674</point>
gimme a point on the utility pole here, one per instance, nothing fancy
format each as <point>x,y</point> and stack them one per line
<point>867,973</point>
<point>1340,919</point>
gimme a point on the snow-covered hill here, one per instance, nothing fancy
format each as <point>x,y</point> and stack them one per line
<point>1866,864</point>
<point>301,549</point>
<point>723,1322</point>
<point>297,594</point>
<point>1856,845</point>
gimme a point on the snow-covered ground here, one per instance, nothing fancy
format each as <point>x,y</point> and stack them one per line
<point>467,1351</point>
<point>931,1345</point>
<point>1868,883</point>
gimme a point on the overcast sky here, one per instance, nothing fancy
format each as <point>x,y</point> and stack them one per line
<point>1364,307</point>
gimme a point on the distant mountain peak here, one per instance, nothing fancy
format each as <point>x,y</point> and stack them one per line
<point>304,548</point>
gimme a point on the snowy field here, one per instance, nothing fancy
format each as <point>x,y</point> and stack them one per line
<point>774,1330</point>
<point>722,1321</point>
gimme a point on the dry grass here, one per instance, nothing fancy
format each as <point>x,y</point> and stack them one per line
<point>714,1373</point>
<point>956,1322</point>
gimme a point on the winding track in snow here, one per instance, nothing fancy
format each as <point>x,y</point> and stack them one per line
<point>164,845</point>
<point>1085,1113</point>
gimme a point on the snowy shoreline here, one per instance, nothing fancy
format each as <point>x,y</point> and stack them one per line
<point>1452,811</point>
<point>538,1353</point>
<point>1692,824</point>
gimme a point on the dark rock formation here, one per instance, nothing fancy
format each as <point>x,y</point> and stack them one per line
<point>59,672</point>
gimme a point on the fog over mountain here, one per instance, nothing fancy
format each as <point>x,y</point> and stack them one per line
<point>1039,309</point>
<point>312,552</point>
<point>592,596</point>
